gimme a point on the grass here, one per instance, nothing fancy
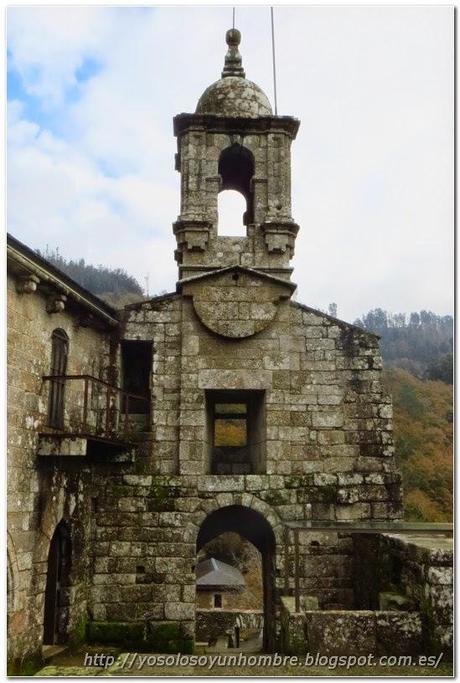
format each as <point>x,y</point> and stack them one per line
<point>73,666</point>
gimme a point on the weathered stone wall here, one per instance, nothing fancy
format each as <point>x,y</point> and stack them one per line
<point>39,494</point>
<point>422,569</point>
<point>243,598</point>
<point>328,419</point>
<point>325,568</point>
<point>413,575</point>
<point>213,623</point>
<point>328,452</point>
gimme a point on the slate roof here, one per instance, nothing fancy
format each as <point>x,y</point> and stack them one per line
<point>213,572</point>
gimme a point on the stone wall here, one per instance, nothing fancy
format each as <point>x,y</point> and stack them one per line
<point>40,495</point>
<point>423,569</point>
<point>325,568</point>
<point>346,632</point>
<point>213,623</point>
<point>328,452</point>
<point>328,419</point>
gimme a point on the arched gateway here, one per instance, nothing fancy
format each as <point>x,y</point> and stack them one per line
<point>256,529</point>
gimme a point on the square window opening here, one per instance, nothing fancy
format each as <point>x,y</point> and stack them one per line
<point>236,432</point>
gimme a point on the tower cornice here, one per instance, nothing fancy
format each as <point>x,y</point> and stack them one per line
<point>235,125</point>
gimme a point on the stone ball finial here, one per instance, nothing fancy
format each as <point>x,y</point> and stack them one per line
<point>233,62</point>
<point>233,37</point>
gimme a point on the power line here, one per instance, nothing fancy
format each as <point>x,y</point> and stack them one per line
<point>274,60</point>
<point>233,12</point>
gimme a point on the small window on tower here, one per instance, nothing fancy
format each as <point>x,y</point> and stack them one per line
<point>217,600</point>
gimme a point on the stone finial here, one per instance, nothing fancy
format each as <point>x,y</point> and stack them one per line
<point>233,62</point>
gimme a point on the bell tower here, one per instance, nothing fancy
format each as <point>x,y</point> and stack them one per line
<point>233,141</point>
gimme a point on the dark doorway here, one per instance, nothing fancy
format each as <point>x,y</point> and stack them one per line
<point>136,359</point>
<point>59,354</point>
<point>252,526</point>
<point>57,587</point>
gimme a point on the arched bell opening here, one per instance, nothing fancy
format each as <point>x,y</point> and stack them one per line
<point>236,169</point>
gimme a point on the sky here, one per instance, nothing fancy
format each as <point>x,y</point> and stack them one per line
<point>91,96</point>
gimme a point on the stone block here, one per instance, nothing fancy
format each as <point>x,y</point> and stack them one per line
<point>395,602</point>
<point>399,633</point>
<point>333,632</point>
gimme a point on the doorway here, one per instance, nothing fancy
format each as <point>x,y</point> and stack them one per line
<point>253,527</point>
<point>55,619</point>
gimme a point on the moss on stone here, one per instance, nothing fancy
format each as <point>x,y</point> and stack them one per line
<point>77,635</point>
<point>168,638</point>
<point>165,637</point>
<point>27,666</point>
<point>129,634</point>
<point>274,497</point>
<point>321,494</point>
<point>162,497</point>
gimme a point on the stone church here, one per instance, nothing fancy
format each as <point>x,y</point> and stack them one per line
<point>115,478</point>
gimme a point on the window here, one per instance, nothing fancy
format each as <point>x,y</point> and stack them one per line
<point>236,169</point>
<point>236,432</point>
<point>137,364</point>
<point>59,354</point>
<point>217,600</point>
<point>230,425</point>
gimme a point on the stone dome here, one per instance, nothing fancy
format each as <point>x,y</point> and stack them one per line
<point>233,94</point>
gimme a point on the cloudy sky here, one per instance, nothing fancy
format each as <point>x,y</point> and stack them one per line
<point>92,92</point>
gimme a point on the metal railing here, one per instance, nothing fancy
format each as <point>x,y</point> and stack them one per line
<point>96,408</point>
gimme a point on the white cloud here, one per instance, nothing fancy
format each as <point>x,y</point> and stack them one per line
<point>372,164</point>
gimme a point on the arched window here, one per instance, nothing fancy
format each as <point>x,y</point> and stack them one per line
<point>59,354</point>
<point>236,168</point>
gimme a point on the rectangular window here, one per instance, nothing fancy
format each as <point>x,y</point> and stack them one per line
<point>236,432</point>
<point>217,600</point>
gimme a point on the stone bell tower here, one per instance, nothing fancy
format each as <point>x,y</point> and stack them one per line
<point>234,142</point>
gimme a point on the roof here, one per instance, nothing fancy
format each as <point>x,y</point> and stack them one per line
<point>236,268</point>
<point>336,321</point>
<point>234,95</point>
<point>24,261</point>
<point>213,572</point>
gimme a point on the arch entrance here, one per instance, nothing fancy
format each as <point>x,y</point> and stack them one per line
<point>57,585</point>
<point>252,526</point>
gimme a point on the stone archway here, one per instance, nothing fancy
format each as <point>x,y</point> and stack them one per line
<point>252,526</point>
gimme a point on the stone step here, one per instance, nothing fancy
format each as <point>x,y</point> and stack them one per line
<point>49,651</point>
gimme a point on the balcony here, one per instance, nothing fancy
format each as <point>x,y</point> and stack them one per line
<point>90,418</point>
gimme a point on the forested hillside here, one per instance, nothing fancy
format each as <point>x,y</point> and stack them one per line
<point>421,342</point>
<point>423,421</point>
<point>113,285</point>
